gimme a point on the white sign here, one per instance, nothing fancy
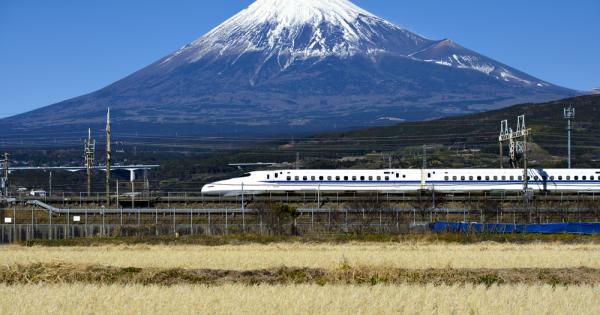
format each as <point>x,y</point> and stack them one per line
<point>76,218</point>
<point>7,220</point>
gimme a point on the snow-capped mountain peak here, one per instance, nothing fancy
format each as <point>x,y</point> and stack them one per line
<point>302,29</point>
<point>286,31</point>
<point>284,67</point>
<point>290,13</point>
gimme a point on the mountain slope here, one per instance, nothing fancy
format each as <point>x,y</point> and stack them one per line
<point>481,131</point>
<point>282,67</point>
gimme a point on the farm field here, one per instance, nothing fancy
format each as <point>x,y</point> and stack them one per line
<point>406,277</point>
<point>299,299</point>
<point>408,255</point>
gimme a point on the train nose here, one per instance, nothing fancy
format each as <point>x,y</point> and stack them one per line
<point>210,189</point>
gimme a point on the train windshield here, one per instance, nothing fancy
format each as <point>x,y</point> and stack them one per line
<point>246,175</point>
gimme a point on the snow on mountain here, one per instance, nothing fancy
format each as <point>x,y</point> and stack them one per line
<point>300,30</point>
<point>315,29</point>
<point>449,53</point>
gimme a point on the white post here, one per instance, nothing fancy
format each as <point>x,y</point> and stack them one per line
<point>243,211</point>
<point>117,192</point>
<point>319,196</point>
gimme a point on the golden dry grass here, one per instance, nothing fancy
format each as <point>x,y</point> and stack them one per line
<point>326,256</point>
<point>297,299</point>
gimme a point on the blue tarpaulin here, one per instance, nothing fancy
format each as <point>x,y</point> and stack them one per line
<point>551,228</point>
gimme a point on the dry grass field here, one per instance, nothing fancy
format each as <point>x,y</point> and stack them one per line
<point>302,278</point>
<point>298,299</point>
<point>325,256</point>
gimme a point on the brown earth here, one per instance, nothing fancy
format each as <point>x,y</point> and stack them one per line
<point>66,273</point>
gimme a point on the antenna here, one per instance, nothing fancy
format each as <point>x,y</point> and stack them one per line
<point>569,113</point>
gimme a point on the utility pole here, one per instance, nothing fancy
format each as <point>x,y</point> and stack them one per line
<point>5,179</point>
<point>108,157</point>
<point>521,129</point>
<point>89,149</point>
<point>424,156</point>
<point>569,114</point>
<point>425,148</point>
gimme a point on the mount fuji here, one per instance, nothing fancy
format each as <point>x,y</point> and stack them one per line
<point>285,66</point>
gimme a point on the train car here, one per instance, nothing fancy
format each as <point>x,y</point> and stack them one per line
<point>407,180</point>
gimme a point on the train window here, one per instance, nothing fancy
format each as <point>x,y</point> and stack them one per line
<point>512,178</point>
<point>462,178</point>
<point>428,175</point>
<point>591,177</point>
<point>320,177</point>
<point>268,176</point>
<point>289,178</point>
<point>387,178</point>
<point>551,177</point>
<point>304,178</point>
<point>353,177</point>
<point>296,177</point>
<point>487,178</point>
<point>478,177</point>
<point>454,178</point>
<point>370,177</point>
<point>337,178</point>
<point>503,177</point>
<point>560,177</point>
<point>362,178</point>
<point>576,177</point>
<point>520,178</point>
<point>470,177</point>
<point>495,177</point>
<point>378,177</point>
<point>345,177</point>
<point>446,178</point>
<point>328,177</point>
<point>568,177</point>
<point>403,176</point>
<point>312,178</point>
<point>397,175</point>
<point>584,178</point>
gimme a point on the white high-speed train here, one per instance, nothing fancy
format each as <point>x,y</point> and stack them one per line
<point>407,180</point>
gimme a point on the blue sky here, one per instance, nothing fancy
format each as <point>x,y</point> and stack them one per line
<point>55,50</point>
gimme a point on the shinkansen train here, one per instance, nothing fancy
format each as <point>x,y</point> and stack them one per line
<point>407,180</point>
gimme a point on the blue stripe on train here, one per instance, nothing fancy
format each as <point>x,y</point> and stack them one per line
<point>432,182</point>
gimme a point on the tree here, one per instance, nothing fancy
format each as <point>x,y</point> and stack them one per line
<point>277,216</point>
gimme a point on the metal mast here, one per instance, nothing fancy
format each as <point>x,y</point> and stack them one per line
<point>5,178</point>
<point>108,157</point>
<point>510,136</point>
<point>89,149</point>
<point>569,114</point>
